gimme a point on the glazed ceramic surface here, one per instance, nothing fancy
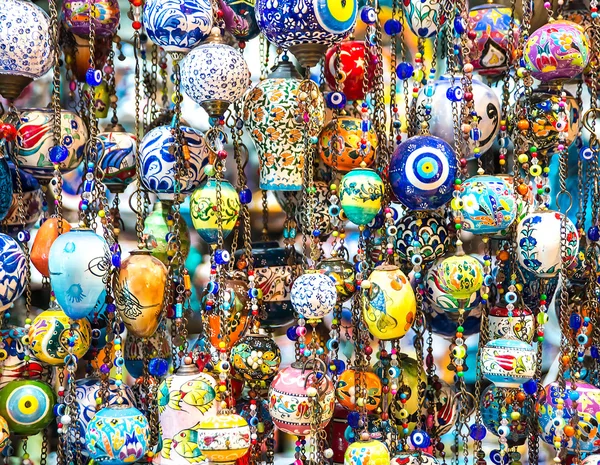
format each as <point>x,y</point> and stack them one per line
<point>4,434</point>
<point>214,72</point>
<point>486,105</point>
<point>538,243</point>
<point>367,452</point>
<point>522,325</point>
<point>184,399</point>
<point>243,25</point>
<point>35,138</point>
<point>588,408</point>
<point>6,188</point>
<point>156,231</point>
<point>49,335</point>
<point>178,25</point>
<point>460,276</point>
<point>77,263</point>
<point>313,295</point>
<point>32,199</point>
<point>117,435</point>
<point>493,400</point>
<point>430,232</point>
<point>422,172</point>
<point>116,152</point>
<point>27,406</point>
<point>289,403</point>
<point>353,63</point>
<point>557,50</point>
<point>158,164</point>
<point>343,275</point>
<point>14,366</point>
<point>391,303</point>
<point>224,438</point>
<point>255,357</point>
<point>424,16</point>
<point>345,390</point>
<point>205,218</point>
<point>44,238</point>
<point>488,205</point>
<point>156,345</point>
<point>492,27</point>
<point>446,409</point>
<point>411,377</point>
<point>13,277</point>
<point>508,362</point>
<point>236,297</point>
<point>346,135</point>
<point>24,40</point>
<point>414,459</point>
<point>76,17</point>
<point>270,114</point>
<point>361,194</point>
<point>445,323</point>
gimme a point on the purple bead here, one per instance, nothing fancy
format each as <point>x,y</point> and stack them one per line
<point>58,154</point>
<point>114,248</point>
<point>104,369</point>
<point>111,308</point>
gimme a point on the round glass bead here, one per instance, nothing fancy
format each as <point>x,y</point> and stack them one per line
<point>93,77</point>
<point>58,154</point>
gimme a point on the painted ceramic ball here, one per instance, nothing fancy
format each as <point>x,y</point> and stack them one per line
<point>425,17</point>
<point>14,271</point>
<point>492,27</point>
<point>255,357</point>
<point>522,325</point>
<point>414,459</point>
<point>50,337</point>
<point>361,195</point>
<point>117,434</point>
<point>391,303</point>
<point>538,243</point>
<point>460,276</point>
<point>202,209</point>
<point>486,105</point>
<point>508,363</point>
<point>346,135</point>
<point>222,438</point>
<point>27,406</point>
<point>343,275</point>
<point>35,138</point>
<point>14,349</point>
<point>546,122</point>
<point>116,152</point>
<point>422,172</point>
<point>445,323</point>
<point>487,204</point>
<point>557,50</point>
<point>32,199</point>
<point>428,232</point>
<point>588,408</point>
<point>352,64</point>
<point>106,14</point>
<point>345,390</point>
<point>492,400</point>
<point>178,25</point>
<point>4,434</point>
<point>157,230</point>
<point>370,452</point>
<point>158,164</point>
<point>244,24</point>
<point>290,405</point>
<point>313,295</point>
<point>446,408</point>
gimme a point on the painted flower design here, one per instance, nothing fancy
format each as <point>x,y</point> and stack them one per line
<point>470,203</point>
<point>562,39</point>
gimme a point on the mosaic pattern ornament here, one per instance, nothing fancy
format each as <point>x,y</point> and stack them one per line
<point>430,232</point>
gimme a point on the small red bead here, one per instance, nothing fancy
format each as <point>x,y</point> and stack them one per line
<point>472,35</point>
<point>242,45</point>
<point>220,13</point>
<point>468,96</point>
<point>137,25</point>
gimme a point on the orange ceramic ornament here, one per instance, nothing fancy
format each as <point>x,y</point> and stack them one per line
<point>345,391</point>
<point>236,297</point>
<point>44,239</point>
<point>349,139</point>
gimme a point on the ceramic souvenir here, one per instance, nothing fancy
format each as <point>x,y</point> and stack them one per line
<point>354,62</point>
<point>345,390</point>
<point>422,458</point>
<point>460,276</point>
<point>255,357</point>
<point>538,243</point>
<point>35,138</point>
<point>557,50</point>
<point>424,17</point>
<point>77,263</point>
<point>223,439</point>
<point>13,277</point>
<point>158,164</point>
<point>361,195</point>
<point>313,295</point>
<point>367,452</point>
<point>522,324</point>
<point>156,231</point>
<point>50,333</point>
<point>202,209</point>
<point>14,366</point>
<point>346,135</point>
<point>27,406</point>
<point>430,232</point>
<point>44,238</point>
<point>31,198</point>
<point>76,17</point>
<point>271,117</point>
<point>178,25</point>
<point>446,323</point>
<point>243,20</point>
<point>493,399</point>
<point>508,362</point>
<point>343,274</point>
<point>441,300</point>
<point>391,303</point>
<point>116,152</point>
<point>289,403</point>
<point>422,172</point>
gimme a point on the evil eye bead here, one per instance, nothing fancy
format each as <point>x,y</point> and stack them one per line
<point>93,77</point>
<point>582,339</point>
<point>416,259</point>
<point>404,71</point>
<point>510,297</point>
<point>222,257</point>
<point>336,100</point>
<point>23,236</point>
<point>454,94</point>
<point>392,27</point>
<point>334,210</point>
<point>586,153</point>
<point>420,439</point>
<point>368,15</point>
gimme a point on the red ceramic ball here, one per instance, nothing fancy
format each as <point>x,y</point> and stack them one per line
<point>353,65</point>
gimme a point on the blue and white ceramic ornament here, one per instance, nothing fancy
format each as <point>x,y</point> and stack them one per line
<point>178,25</point>
<point>424,17</point>
<point>313,295</point>
<point>13,273</point>
<point>422,172</point>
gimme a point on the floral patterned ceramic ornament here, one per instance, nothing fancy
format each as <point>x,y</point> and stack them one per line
<point>521,325</point>
<point>346,134</point>
<point>361,195</point>
<point>508,363</point>
<point>538,243</point>
<point>222,438</point>
<point>255,357</point>
<point>116,152</point>
<point>202,209</point>
<point>460,276</point>
<point>13,274</point>
<point>425,17</point>
<point>370,452</point>
<point>313,295</point>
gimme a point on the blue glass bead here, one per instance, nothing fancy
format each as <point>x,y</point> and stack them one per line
<point>404,70</point>
<point>429,91</point>
<point>575,321</point>
<point>353,419</point>
<point>368,15</point>
<point>93,77</point>
<point>582,339</point>
<point>586,153</point>
<point>212,287</point>
<point>594,234</point>
<point>253,421</point>
<point>397,124</point>
<point>475,134</point>
<point>340,366</point>
<point>392,27</point>
<point>23,236</point>
<point>454,94</point>
<point>477,432</point>
<point>178,310</point>
<point>222,257</point>
<point>595,353</point>
<point>460,25</point>
<point>116,260</point>
<point>246,196</point>
<point>291,333</point>
<point>316,233</point>
<point>365,125</point>
<point>573,395</point>
<point>336,100</point>
<point>349,435</point>
<point>333,344</point>
<point>420,439</point>
<point>58,154</point>
<point>530,387</point>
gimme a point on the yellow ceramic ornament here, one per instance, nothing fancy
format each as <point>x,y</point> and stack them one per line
<point>460,275</point>
<point>203,204</point>
<point>4,434</point>
<point>390,305</point>
<point>223,438</point>
<point>367,453</point>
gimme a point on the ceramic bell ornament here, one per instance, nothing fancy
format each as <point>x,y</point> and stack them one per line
<point>25,46</point>
<point>116,152</point>
<point>214,75</point>
<point>271,115</point>
<point>203,203</point>
<point>313,295</point>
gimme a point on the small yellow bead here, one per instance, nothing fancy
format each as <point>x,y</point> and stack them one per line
<point>101,213</point>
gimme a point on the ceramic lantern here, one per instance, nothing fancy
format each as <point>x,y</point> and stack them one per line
<point>13,278</point>
<point>255,357</point>
<point>202,209</point>
<point>313,295</point>
<point>343,138</point>
<point>27,406</point>
<point>370,452</point>
<point>116,152</point>
<point>361,195</point>
<point>391,305</point>
<point>429,232</point>
<point>508,362</point>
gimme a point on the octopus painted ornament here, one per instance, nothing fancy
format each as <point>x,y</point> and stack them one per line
<point>493,400</point>
<point>51,334</point>
<point>586,438</point>
<point>13,277</point>
<point>27,406</point>
<point>487,204</point>
<point>344,138</point>
<point>255,357</point>
<point>15,366</point>
<point>492,25</point>
<point>521,325</point>
<point>4,434</point>
<point>361,195</point>
<point>156,231</point>
<point>345,390</point>
<point>422,172</point>
<point>539,244</point>
<point>313,295</point>
<point>425,17</point>
<point>204,216</point>
<point>289,402</point>
<point>343,275</point>
<point>509,362</point>
<point>116,152</point>
<point>31,198</point>
<point>223,439</point>
<point>354,63</point>
<point>104,13</point>
<point>370,452</point>
<point>558,50</point>
<point>428,232</point>
<point>391,304</point>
